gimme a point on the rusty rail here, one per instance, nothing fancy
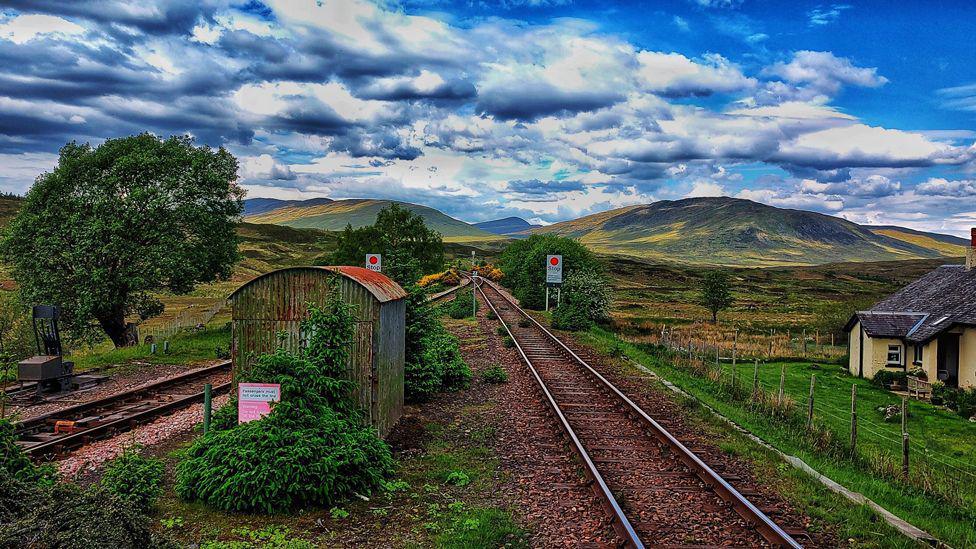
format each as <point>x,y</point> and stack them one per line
<point>753,516</point>
<point>29,430</point>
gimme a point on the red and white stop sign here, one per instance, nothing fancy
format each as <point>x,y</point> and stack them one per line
<point>374,262</point>
<point>554,269</point>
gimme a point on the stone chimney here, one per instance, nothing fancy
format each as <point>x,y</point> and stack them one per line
<point>971,251</point>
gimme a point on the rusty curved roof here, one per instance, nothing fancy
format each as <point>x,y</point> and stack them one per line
<point>378,284</point>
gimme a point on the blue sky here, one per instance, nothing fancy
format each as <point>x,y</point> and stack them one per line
<point>544,109</point>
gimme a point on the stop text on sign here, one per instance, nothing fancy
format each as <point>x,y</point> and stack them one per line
<point>254,400</point>
<point>374,262</point>
<point>554,269</point>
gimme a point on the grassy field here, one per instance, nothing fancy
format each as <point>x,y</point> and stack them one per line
<point>188,347</point>
<point>819,300</point>
<point>938,497</point>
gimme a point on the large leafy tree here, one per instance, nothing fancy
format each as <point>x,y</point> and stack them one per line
<point>113,225</point>
<point>716,292</point>
<point>408,246</point>
<point>524,265</point>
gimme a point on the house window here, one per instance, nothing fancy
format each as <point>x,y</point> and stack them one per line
<point>918,354</point>
<point>894,355</point>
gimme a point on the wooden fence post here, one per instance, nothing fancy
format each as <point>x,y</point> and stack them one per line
<point>853,417</point>
<point>755,378</point>
<point>813,383</point>
<point>734,373</point>
<point>735,345</point>
<point>772,334</point>
<point>804,342</point>
<point>904,436</point>
<point>782,383</point>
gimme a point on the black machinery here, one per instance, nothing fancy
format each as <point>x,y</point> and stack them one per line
<point>48,369</point>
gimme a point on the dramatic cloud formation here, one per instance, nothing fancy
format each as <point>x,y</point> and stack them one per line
<point>546,117</point>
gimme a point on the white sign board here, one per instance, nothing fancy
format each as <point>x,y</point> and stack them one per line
<point>554,269</point>
<point>374,262</point>
<point>254,400</point>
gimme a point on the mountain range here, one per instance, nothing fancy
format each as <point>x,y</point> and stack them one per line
<point>711,231</point>
<point>334,215</point>
<point>506,226</point>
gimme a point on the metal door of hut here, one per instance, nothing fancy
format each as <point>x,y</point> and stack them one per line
<point>361,369</point>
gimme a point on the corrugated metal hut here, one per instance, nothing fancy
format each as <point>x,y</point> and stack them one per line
<point>275,303</point>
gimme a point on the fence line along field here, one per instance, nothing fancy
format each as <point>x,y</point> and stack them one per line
<point>935,488</point>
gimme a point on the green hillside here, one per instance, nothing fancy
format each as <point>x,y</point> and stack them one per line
<point>334,216</point>
<point>943,243</point>
<point>735,232</point>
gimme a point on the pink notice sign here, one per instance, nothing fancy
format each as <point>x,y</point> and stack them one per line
<point>254,400</point>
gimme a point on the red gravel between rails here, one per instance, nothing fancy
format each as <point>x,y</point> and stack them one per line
<point>560,508</point>
<point>663,408</point>
<point>88,459</point>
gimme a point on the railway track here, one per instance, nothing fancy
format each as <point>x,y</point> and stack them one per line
<point>63,430</point>
<point>656,491</point>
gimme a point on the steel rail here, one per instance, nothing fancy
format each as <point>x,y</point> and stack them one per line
<point>86,436</point>
<point>83,436</point>
<point>765,526</point>
<point>621,524</point>
<point>85,407</point>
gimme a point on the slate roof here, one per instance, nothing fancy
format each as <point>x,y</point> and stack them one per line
<point>889,324</point>
<point>943,298</point>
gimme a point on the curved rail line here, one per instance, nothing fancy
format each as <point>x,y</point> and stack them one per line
<point>43,436</point>
<point>542,351</point>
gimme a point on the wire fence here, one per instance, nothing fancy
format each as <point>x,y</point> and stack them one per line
<point>189,318</point>
<point>764,345</point>
<point>876,443</point>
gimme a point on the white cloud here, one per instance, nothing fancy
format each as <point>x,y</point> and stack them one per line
<point>870,186</point>
<point>265,167</point>
<point>674,74</point>
<point>942,187</point>
<point>23,28</point>
<point>804,201</point>
<point>794,109</point>
<point>703,188</point>
<point>862,145</point>
<point>825,72</point>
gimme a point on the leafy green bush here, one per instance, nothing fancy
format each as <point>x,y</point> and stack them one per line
<point>64,515</point>
<point>284,461</point>
<point>440,367</point>
<point>961,401</point>
<point>508,342</point>
<point>314,448</point>
<point>523,263</point>
<point>571,316</point>
<point>501,330</point>
<point>458,478</point>
<point>15,461</point>
<point>135,479</point>
<point>590,291</point>
<point>17,496</point>
<point>494,374</point>
<point>461,306</point>
<point>885,378</point>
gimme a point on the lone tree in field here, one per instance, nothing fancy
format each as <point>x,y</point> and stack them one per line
<point>409,247</point>
<point>716,292</point>
<point>114,224</point>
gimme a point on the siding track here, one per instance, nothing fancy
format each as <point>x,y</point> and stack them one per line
<point>656,491</point>
<point>41,437</point>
